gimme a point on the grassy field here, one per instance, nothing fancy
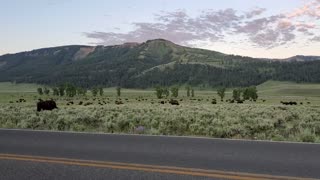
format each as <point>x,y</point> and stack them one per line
<point>276,91</point>
<point>7,87</point>
<point>142,113</point>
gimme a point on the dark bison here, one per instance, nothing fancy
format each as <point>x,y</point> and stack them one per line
<point>239,101</point>
<point>173,102</point>
<point>87,103</point>
<point>22,100</point>
<point>46,105</point>
<point>289,103</point>
<point>118,102</point>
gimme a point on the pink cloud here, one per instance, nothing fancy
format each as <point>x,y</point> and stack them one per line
<point>300,12</point>
<point>311,9</point>
<point>306,25</point>
<point>284,24</point>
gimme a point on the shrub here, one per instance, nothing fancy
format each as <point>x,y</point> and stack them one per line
<point>174,91</point>
<point>40,91</point>
<point>307,136</point>
<point>261,121</point>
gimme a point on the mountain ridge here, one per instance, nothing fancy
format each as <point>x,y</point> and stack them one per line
<point>133,44</point>
<point>151,63</point>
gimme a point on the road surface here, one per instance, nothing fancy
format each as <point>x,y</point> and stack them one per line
<point>26,154</point>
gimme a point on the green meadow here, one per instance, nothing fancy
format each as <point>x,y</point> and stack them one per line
<point>142,113</point>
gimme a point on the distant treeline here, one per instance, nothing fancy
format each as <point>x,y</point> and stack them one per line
<point>69,90</point>
<point>195,75</point>
<point>243,75</point>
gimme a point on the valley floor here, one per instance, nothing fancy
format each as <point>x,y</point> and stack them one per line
<point>142,113</point>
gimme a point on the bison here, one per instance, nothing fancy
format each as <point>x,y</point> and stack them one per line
<point>46,105</point>
<point>239,101</point>
<point>173,102</point>
<point>87,103</point>
<point>118,102</point>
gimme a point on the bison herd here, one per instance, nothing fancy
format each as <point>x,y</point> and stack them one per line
<point>21,100</point>
<point>292,103</point>
<point>51,104</point>
<point>289,103</point>
<point>171,101</point>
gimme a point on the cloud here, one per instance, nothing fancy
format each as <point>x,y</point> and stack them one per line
<point>176,26</point>
<point>306,25</point>
<point>310,9</point>
<point>268,32</point>
<point>316,38</point>
<point>255,12</point>
<point>218,25</point>
<point>299,12</point>
<point>285,24</point>
<point>257,25</point>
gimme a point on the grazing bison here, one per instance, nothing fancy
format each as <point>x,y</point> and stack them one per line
<point>289,103</point>
<point>46,105</point>
<point>88,103</point>
<point>118,102</point>
<point>22,100</point>
<point>173,102</point>
<point>239,101</point>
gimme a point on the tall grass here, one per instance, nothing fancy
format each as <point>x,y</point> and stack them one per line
<point>245,121</point>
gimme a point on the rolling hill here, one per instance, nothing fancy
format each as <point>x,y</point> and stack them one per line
<point>155,62</point>
<point>303,58</point>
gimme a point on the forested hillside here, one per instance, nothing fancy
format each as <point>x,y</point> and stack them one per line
<point>155,62</point>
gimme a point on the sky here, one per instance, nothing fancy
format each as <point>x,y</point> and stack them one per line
<point>256,28</point>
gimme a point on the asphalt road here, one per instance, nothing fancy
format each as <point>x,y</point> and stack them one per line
<point>58,155</point>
